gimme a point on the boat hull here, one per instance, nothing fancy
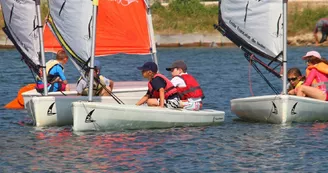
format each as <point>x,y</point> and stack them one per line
<point>280,109</point>
<point>56,110</point>
<point>89,116</point>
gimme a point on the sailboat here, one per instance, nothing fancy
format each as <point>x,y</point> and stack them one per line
<point>71,24</point>
<point>101,116</point>
<point>259,29</point>
<point>23,27</point>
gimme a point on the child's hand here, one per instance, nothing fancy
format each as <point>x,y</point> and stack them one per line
<point>292,92</point>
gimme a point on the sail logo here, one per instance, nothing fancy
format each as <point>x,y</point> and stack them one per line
<point>124,2</point>
<point>246,35</point>
<point>50,109</point>
<point>88,118</point>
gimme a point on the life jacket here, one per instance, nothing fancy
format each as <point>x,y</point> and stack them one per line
<point>168,90</point>
<point>97,88</point>
<point>51,78</point>
<point>299,84</point>
<point>49,66</point>
<point>192,89</point>
<point>322,68</point>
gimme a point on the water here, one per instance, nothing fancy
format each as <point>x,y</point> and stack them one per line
<point>234,146</point>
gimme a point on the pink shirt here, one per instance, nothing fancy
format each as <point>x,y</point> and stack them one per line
<point>318,76</point>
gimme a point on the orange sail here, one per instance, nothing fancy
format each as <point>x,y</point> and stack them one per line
<point>50,42</point>
<point>121,28</point>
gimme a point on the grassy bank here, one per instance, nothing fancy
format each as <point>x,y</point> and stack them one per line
<point>190,16</point>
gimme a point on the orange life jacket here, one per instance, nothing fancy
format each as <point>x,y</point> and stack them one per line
<point>192,89</point>
<point>321,67</point>
<point>168,90</point>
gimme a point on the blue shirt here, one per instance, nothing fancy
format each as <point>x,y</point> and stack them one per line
<point>57,71</point>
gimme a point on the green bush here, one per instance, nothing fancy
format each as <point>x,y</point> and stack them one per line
<point>304,21</point>
<point>187,7</point>
<point>184,16</point>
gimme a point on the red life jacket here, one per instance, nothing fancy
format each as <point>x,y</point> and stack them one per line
<point>192,89</point>
<point>168,90</point>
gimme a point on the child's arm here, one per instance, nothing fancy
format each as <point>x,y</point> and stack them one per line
<point>142,100</point>
<point>161,97</point>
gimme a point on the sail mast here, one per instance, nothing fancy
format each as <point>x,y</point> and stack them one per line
<point>284,65</point>
<point>93,46</point>
<point>43,60</point>
<point>151,32</point>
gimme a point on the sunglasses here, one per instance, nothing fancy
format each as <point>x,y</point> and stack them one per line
<point>292,79</point>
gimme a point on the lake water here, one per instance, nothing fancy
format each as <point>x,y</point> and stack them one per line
<point>234,146</point>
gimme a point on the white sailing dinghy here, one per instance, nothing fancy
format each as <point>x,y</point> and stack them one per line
<point>100,116</point>
<point>71,23</point>
<point>257,27</point>
<point>22,21</point>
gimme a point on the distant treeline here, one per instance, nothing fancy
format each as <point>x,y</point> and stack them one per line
<point>190,16</point>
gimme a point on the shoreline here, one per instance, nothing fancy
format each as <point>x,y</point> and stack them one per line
<point>201,40</point>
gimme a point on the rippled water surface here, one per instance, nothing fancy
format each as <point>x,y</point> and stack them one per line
<point>234,146</point>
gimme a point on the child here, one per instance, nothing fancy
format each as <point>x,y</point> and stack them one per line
<point>55,74</point>
<point>161,91</point>
<point>82,86</point>
<point>316,77</point>
<point>295,80</point>
<point>190,92</point>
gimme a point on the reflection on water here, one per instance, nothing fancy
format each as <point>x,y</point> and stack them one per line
<point>234,146</point>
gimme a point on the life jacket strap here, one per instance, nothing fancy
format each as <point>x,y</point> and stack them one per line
<point>319,84</point>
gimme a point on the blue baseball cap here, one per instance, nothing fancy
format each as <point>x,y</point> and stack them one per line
<point>97,64</point>
<point>149,66</point>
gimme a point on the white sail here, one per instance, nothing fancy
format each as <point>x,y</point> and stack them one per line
<point>20,20</point>
<point>71,22</point>
<point>256,25</point>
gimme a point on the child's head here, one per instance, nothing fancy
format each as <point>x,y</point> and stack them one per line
<point>148,70</point>
<point>97,66</point>
<point>177,68</point>
<point>312,58</point>
<point>62,57</point>
<point>294,76</point>
<point>96,70</point>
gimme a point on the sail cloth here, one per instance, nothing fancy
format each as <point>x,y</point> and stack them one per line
<point>121,28</point>
<point>256,25</point>
<point>20,20</point>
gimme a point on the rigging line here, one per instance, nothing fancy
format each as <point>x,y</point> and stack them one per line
<point>248,54</point>
<point>63,92</point>
<point>118,100</point>
<point>249,77</point>
<point>275,59</point>
<point>265,79</point>
<point>260,73</point>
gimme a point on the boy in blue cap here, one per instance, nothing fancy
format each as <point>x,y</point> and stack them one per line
<point>161,91</point>
<point>82,86</point>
